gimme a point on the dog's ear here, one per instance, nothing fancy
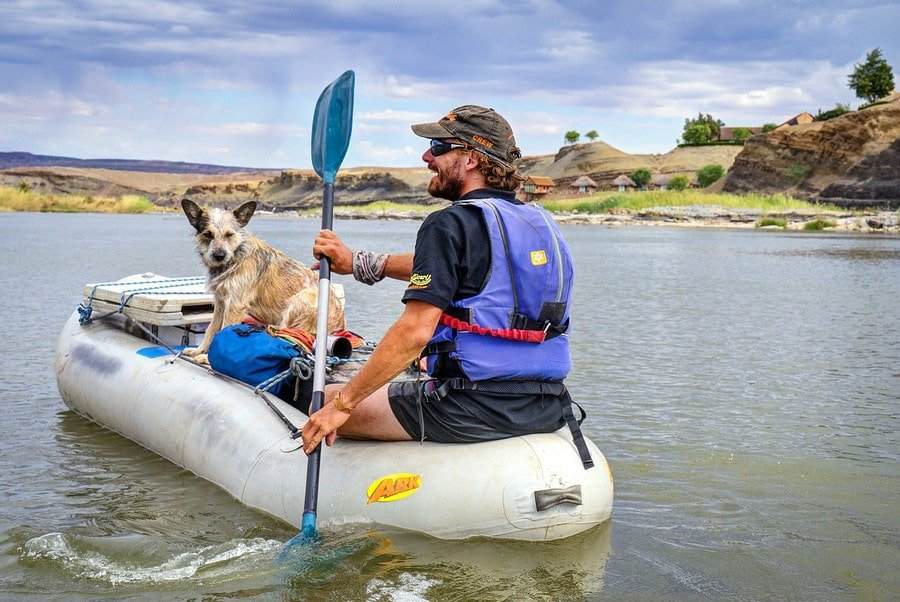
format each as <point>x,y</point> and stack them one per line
<point>196,215</point>
<point>243,213</point>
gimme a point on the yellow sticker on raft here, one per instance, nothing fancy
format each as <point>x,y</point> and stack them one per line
<point>538,257</point>
<point>393,487</point>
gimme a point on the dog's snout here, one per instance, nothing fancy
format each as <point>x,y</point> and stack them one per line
<point>219,255</point>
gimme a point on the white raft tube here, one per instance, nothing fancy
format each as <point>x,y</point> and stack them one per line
<point>222,432</point>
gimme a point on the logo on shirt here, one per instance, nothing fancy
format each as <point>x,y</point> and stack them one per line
<point>538,257</point>
<point>393,487</point>
<point>419,280</point>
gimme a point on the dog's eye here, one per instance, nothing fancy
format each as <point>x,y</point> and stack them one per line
<point>229,234</point>
<point>207,235</point>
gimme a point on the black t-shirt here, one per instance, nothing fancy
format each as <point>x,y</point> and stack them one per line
<point>452,258</point>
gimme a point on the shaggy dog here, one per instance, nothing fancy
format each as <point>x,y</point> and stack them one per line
<point>247,277</point>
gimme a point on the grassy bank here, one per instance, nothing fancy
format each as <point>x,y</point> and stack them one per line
<point>606,202</point>
<point>381,207</point>
<point>18,199</point>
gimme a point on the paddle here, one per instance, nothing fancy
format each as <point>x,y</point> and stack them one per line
<point>332,122</point>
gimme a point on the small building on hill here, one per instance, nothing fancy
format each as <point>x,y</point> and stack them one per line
<point>801,119</point>
<point>584,185</point>
<point>659,182</point>
<point>624,183</point>
<point>534,187</point>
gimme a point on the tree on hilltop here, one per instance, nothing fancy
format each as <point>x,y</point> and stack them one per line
<point>592,135</point>
<point>572,137</point>
<point>873,79</point>
<point>698,133</point>
<point>695,135</point>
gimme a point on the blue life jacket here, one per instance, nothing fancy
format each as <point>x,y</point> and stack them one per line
<point>492,335</point>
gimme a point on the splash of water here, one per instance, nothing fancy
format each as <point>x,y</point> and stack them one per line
<point>91,564</point>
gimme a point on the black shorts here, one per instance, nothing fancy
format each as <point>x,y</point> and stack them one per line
<point>463,416</point>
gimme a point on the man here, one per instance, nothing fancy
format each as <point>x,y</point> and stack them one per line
<point>488,298</point>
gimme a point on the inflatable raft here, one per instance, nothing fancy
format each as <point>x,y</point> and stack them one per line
<point>116,366</point>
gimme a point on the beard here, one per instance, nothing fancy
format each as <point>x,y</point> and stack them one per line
<point>447,185</point>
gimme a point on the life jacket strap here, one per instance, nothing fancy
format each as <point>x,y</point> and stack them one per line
<point>514,334</point>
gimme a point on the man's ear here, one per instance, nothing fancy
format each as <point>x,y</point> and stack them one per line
<point>472,160</point>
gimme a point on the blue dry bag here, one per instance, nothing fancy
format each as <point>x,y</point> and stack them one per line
<point>250,354</point>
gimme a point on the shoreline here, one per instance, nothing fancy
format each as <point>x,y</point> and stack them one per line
<point>698,216</point>
<point>709,216</point>
<point>689,216</point>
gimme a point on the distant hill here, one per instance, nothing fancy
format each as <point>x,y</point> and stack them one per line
<point>19,159</point>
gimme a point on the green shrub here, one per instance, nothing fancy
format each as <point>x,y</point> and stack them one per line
<point>741,134</point>
<point>133,203</point>
<point>597,205</point>
<point>798,172</point>
<point>819,224</point>
<point>771,221</point>
<point>838,110</point>
<point>709,174</point>
<point>678,183</point>
<point>641,177</point>
<point>768,127</point>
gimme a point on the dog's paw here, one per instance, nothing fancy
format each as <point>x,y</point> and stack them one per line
<point>191,351</point>
<point>202,358</point>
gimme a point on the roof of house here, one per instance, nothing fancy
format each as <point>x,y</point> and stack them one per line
<point>584,181</point>
<point>540,180</point>
<point>803,117</point>
<point>624,180</point>
<point>660,179</point>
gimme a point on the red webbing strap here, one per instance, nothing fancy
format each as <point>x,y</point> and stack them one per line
<point>514,334</point>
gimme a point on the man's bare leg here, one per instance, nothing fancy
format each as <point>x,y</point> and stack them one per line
<point>373,419</point>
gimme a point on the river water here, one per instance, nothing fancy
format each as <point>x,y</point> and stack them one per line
<point>744,386</point>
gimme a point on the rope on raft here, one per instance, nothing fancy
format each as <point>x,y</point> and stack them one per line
<point>143,287</point>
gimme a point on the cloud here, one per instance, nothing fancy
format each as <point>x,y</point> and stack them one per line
<point>228,72</point>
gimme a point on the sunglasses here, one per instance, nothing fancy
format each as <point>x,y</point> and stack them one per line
<point>439,147</point>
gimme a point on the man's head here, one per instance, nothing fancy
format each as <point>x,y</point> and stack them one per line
<point>484,130</point>
<point>478,129</point>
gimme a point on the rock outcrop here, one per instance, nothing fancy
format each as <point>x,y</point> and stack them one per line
<point>849,161</point>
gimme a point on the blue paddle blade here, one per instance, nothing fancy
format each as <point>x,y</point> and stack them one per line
<point>332,123</point>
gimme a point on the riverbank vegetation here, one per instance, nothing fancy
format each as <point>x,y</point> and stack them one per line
<point>23,199</point>
<point>609,202</point>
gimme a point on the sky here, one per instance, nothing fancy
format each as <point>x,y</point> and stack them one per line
<point>235,82</point>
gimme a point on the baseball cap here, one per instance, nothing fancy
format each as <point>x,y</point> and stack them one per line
<point>483,129</point>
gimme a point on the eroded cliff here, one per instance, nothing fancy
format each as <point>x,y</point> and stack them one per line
<point>850,161</point>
